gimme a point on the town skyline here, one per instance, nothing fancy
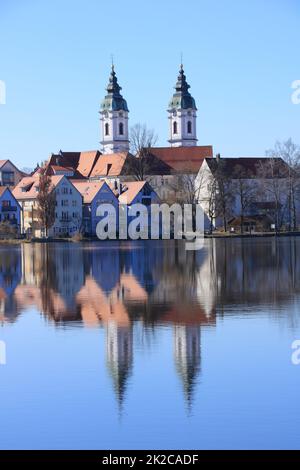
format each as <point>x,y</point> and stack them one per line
<point>242,108</point>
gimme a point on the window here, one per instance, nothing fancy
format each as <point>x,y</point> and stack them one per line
<point>7,178</point>
<point>189,127</point>
<point>64,202</point>
<point>174,127</point>
<point>121,128</point>
<point>74,203</point>
<point>106,129</point>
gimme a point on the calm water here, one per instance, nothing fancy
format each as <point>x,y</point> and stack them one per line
<point>145,345</point>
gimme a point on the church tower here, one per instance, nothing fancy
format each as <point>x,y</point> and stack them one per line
<point>114,118</point>
<point>182,114</point>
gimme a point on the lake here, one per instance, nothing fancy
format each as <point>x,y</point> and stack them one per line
<point>129,345</point>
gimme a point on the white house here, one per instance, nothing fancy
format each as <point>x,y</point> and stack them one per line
<point>68,208</point>
<point>255,187</point>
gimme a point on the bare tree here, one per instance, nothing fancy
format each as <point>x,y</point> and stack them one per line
<point>273,183</point>
<point>46,201</point>
<point>290,153</point>
<point>245,191</point>
<point>141,141</point>
<point>224,191</point>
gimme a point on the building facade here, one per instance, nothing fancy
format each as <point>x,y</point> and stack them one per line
<point>94,193</point>
<point>10,209</point>
<point>68,207</point>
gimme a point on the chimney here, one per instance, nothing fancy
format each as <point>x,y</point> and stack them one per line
<point>218,156</point>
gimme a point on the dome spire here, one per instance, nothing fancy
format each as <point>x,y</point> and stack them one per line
<point>182,113</point>
<point>113,101</point>
<point>114,117</point>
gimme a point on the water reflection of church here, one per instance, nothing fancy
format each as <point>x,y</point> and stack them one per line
<point>130,291</point>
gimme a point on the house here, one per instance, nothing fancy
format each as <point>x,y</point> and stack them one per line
<point>235,188</point>
<point>68,209</point>
<point>94,193</point>
<point>10,209</point>
<point>138,192</point>
<point>10,175</point>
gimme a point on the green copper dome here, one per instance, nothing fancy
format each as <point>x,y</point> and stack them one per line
<point>182,99</point>
<point>113,101</point>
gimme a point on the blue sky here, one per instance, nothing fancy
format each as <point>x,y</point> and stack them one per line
<point>240,59</point>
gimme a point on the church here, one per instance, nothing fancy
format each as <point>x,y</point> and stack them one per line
<point>117,163</point>
<point>115,117</point>
<point>161,165</point>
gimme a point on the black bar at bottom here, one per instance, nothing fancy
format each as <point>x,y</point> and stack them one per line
<point>135,458</point>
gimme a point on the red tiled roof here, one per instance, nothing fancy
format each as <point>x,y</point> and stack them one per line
<point>82,162</point>
<point>29,183</point>
<point>88,189</point>
<point>131,191</point>
<point>112,164</point>
<point>183,158</point>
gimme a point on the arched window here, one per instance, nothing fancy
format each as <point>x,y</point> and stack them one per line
<point>106,129</point>
<point>189,127</point>
<point>121,128</point>
<point>174,127</point>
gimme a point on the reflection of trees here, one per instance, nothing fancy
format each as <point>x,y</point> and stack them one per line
<point>187,354</point>
<point>48,283</point>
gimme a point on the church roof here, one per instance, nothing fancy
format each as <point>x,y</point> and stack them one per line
<point>182,99</point>
<point>187,159</point>
<point>113,101</point>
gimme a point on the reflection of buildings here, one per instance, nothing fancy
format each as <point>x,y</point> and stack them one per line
<point>119,355</point>
<point>121,285</point>
<point>187,356</point>
<point>10,277</point>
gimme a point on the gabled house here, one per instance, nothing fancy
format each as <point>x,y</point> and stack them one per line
<point>10,209</point>
<point>138,192</point>
<point>68,209</point>
<point>10,175</point>
<point>94,193</point>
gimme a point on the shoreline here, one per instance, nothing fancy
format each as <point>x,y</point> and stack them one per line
<point>94,239</point>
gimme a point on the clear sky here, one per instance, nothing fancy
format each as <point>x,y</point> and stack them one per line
<point>240,58</point>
